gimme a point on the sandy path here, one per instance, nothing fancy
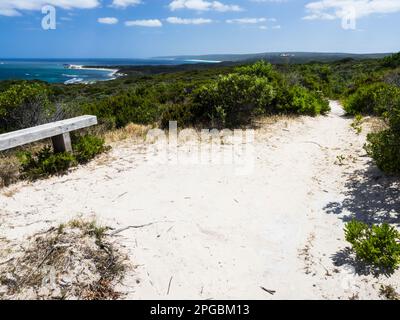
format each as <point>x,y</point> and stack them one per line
<point>215,234</point>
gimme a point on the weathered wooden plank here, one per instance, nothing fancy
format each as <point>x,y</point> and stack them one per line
<point>18,138</point>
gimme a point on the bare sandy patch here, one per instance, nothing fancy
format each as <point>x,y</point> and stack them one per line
<point>203,231</point>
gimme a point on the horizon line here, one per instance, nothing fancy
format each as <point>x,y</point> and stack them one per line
<point>205,54</point>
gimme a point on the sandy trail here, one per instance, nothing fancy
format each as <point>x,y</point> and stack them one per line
<point>214,234</point>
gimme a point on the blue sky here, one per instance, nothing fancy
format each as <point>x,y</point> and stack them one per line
<point>147,28</point>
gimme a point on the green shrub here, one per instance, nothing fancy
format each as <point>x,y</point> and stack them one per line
<point>138,106</point>
<point>378,245</point>
<point>24,105</point>
<point>357,123</point>
<point>372,99</point>
<point>384,148</point>
<point>172,93</point>
<point>182,113</point>
<point>233,100</point>
<point>303,101</point>
<point>392,77</point>
<point>392,116</point>
<point>392,61</point>
<point>45,163</point>
<point>260,69</point>
<point>87,147</point>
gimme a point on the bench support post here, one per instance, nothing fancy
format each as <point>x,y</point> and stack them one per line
<point>62,143</point>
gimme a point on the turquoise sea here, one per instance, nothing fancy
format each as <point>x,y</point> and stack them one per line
<point>55,70</point>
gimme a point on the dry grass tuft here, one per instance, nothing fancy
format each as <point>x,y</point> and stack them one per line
<point>374,124</point>
<point>73,261</point>
<point>9,170</point>
<point>10,165</point>
<point>131,131</point>
<point>388,292</point>
<point>9,192</point>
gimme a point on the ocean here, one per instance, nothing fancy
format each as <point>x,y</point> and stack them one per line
<point>55,70</point>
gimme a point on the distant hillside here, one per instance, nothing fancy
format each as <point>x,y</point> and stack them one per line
<point>281,57</point>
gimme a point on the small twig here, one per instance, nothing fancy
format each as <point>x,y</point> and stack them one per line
<point>326,270</point>
<point>271,292</point>
<point>169,285</point>
<point>316,143</point>
<point>135,227</point>
<point>45,258</point>
<point>7,261</point>
<point>120,196</point>
<point>22,282</point>
<point>131,227</point>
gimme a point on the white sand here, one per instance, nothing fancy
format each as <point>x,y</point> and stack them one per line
<point>220,235</point>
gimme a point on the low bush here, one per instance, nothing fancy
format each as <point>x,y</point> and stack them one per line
<point>392,61</point>
<point>87,147</point>
<point>374,99</point>
<point>24,105</point>
<point>384,148</point>
<point>357,123</point>
<point>182,113</point>
<point>392,77</point>
<point>233,100</point>
<point>136,105</point>
<point>304,101</point>
<point>378,245</point>
<point>259,69</point>
<point>46,162</point>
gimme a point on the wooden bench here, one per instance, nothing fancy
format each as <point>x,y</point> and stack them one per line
<point>57,131</point>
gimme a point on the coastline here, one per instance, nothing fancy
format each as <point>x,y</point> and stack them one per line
<point>91,71</point>
<point>114,73</point>
<point>204,61</point>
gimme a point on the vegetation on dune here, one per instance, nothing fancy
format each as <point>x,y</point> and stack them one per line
<point>230,95</point>
<point>384,146</point>
<point>138,105</point>
<point>233,100</point>
<point>392,61</point>
<point>218,96</point>
<point>87,147</point>
<point>303,101</point>
<point>75,260</point>
<point>373,99</point>
<point>23,105</point>
<point>378,245</point>
<point>46,162</point>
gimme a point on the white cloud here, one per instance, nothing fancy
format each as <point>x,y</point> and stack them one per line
<point>14,7</point>
<point>176,20</point>
<point>203,5</point>
<point>150,23</point>
<point>107,20</point>
<point>276,1</point>
<point>339,9</point>
<point>125,3</point>
<point>249,20</point>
